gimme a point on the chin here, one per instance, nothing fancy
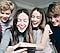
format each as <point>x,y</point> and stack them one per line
<point>5,21</point>
<point>35,26</point>
<point>55,25</point>
<point>22,31</point>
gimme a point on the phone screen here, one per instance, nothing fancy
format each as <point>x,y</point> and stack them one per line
<point>29,49</point>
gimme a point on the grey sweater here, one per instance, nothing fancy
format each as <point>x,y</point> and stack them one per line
<point>5,41</point>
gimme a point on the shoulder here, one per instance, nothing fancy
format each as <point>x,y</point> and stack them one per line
<point>8,32</point>
<point>47,26</point>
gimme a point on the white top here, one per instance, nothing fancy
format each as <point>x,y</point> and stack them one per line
<point>37,34</point>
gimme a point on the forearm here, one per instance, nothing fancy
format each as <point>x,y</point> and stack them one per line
<point>5,42</point>
<point>38,46</point>
<point>44,40</point>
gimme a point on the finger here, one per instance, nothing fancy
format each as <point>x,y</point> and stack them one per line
<point>51,32</point>
<point>9,49</point>
<point>21,50</point>
<point>15,46</point>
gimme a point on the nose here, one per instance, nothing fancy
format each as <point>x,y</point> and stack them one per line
<point>35,19</point>
<point>4,15</point>
<point>22,23</point>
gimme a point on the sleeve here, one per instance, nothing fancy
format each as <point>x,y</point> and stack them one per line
<point>5,41</point>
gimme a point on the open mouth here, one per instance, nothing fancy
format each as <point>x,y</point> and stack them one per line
<point>21,27</point>
<point>5,18</point>
<point>35,23</point>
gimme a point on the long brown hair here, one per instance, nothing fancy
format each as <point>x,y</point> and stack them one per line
<point>28,31</point>
<point>43,21</point>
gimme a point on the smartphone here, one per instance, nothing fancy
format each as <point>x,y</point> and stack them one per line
<point>29,49</point>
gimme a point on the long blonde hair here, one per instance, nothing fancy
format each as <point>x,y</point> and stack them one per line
<point>43,21</point>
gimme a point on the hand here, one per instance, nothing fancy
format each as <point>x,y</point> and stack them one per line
<point>47,27</point>
<point>20,51</point>
<point>11,49</point>
<point>23,44</point>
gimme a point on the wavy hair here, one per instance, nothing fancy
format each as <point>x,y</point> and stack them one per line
<point>27,32</point>
<point>43,21</point>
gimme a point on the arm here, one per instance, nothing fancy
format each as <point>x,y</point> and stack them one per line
<point>45,37</point>
<point>5,41</point>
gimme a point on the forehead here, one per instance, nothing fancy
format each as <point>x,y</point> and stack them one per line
<point>35,12</point>
<point>6,11</point>
<point>53,15</point>
<point>23,16</point>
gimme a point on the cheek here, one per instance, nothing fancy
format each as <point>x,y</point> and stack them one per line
<point>27,24</point>
<point>4,15</point>
<point>8,15</point>
<point>58,19</point>
<point>50,19</point>
<point>17,26</point>
<point>1,15</point>
<point>39,21</point>
<point>18,23</point>
<point>32,19</point>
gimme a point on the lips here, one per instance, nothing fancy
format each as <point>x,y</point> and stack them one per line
<point>5,18</point>
<point>21,27</point>
<point>35,23</point>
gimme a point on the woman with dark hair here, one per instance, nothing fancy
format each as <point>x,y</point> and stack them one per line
<point>20,32</point>
<point>19,27</point>
<point>42,21</point>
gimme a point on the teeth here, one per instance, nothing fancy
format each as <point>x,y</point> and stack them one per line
<point>35,23</point>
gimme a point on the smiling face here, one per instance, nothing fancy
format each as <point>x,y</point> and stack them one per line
<point>36,18</point>
<point>53,13</point>
<point>22,22</point>
<point>5,15</point>
<point>55,20</point>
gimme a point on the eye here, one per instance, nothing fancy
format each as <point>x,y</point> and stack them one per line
<point>25,20</point>
<point>7,13</point>
<point>19,20</point>
<point>49,17</point>
<point>56,15</point>
<point>32,16</point>
<point>38,17</point>
<point>2,13</point>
